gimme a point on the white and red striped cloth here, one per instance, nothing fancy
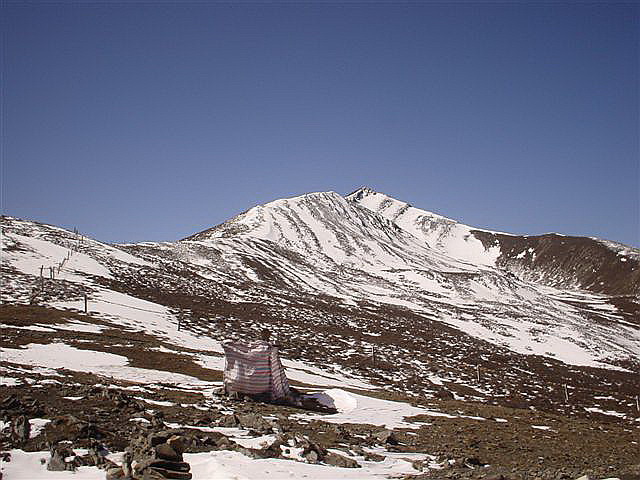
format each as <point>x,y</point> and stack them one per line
<point>254,368</point>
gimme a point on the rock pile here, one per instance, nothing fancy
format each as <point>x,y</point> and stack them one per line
<point>154,456</point>
<point>63,458</point>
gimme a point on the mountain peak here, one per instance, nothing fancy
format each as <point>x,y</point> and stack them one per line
<point>360,193</point>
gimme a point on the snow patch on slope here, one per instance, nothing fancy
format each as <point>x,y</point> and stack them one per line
<point>440,233</point>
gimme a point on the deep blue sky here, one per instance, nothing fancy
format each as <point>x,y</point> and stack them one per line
<point>152,122</point>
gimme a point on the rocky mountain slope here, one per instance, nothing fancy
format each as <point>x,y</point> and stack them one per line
<point>362,292</point>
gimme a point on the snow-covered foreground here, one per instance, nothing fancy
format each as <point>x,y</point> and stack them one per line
<point>223,465</point>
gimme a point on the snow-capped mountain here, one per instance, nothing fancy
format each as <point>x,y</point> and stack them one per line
<point>360,292</point>
<point>335,277</point>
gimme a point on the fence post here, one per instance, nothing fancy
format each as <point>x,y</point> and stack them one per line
<point>566,393</point>
<point>86,310</point>
<point>478,372</point>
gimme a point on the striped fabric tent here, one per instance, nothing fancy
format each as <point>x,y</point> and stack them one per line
<point>254,368</point>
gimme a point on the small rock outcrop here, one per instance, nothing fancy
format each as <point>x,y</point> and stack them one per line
<point>158,455</point>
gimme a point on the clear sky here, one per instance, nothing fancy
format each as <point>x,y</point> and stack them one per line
<point>152,121</point>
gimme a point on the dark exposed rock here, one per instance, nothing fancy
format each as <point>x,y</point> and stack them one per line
<point>164,464</point>
<point>68,427</point>
<point>165,452</point>
<point>153,473</point>
<point>62,458</point>
<point>228,421</point>
<point>20,429</point>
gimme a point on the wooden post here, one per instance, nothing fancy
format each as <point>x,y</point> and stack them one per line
<point>51,273</point>
<point>41,268</point>
<point>86,310</point>
<point>637,404</point>
<point>478,372</point>
<point>566,393</point>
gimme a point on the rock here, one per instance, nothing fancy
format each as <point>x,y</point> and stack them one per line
<point>373,457</point>
<point>67,427</point>
<point>165,452</point>
<point>163,436</point>
<point>254,422</point>
<point>387,436</point>
<point>312,457</point>
<point>157,420</point>
<point>177,443</point>
<point>154,473</point>
<point>338,460</point>
<point>472,462</point>
<point>58,461</point>
<point>20,429</point>
<point>115,473</point>
<point>443,394</point>
<point>10,403</point>
<point>126,464</point>
<point>162,464</point>
<point>228,421</point>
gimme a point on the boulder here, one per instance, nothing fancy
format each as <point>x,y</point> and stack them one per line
<point>165,452</point>
<point>176,442</point>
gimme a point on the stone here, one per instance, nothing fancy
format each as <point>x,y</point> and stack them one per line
<point>152,474</point>
<point>177,443</point>
<point>10,403</point>
<point>338,460</point>
<point>444,394</point>
<point>254,422</point>
<point>20,429</point>
<point>228,421</point>
<point>387,436</point>
<point>155,473</point>
<point>57,462</point>
<point>373,457</point>
<point>115,473</point>
<point>165,452</point>
<point>163,464</point>
<point>127,459</point>
<point>67,427</point>
<point>312,456</point>
<point>157,438</point>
